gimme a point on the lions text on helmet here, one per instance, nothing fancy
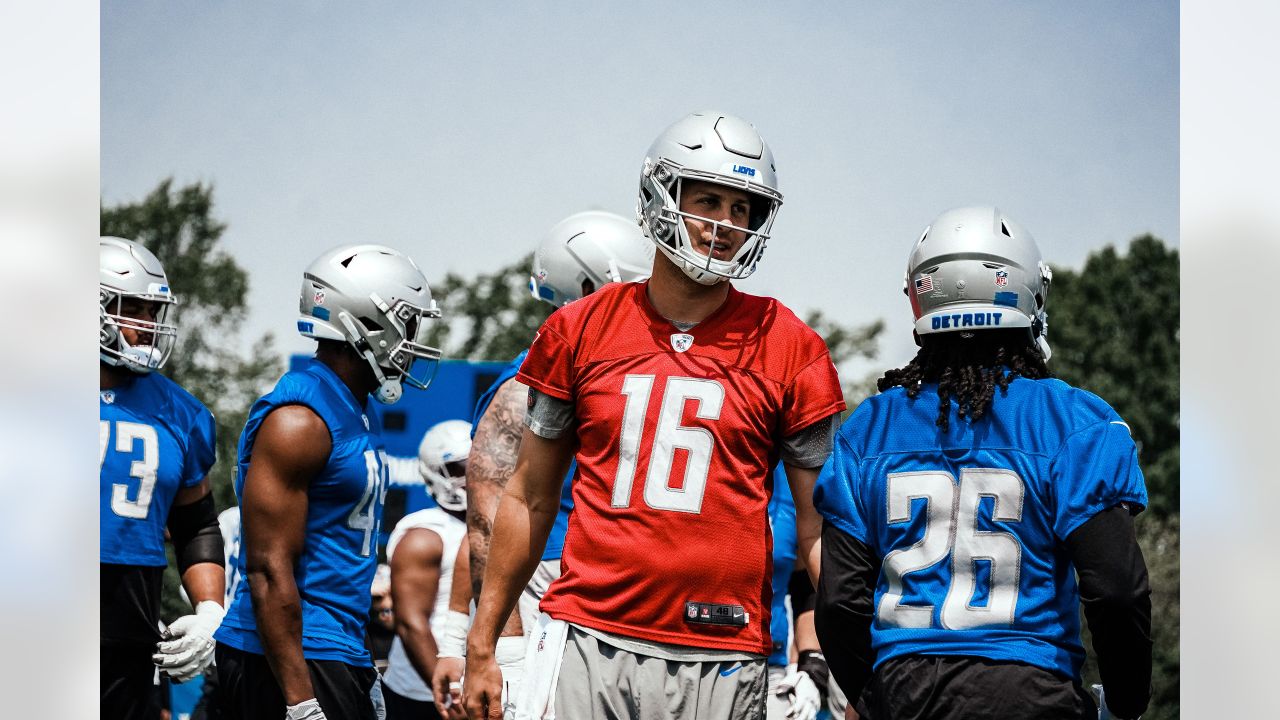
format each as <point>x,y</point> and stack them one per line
<point>442,462</point>
<point>715,173</point>
<point>586,251</point>
<point>974,268</point>
<point>376,300</point>
<point>134,301</point>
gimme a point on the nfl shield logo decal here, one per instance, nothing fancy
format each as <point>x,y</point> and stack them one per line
<point>108,396</point>
<point>319,297</point>
<point>681,342</point>
<point>1002,278</point>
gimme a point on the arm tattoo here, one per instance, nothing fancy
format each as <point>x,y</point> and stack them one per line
<point>492,460</point>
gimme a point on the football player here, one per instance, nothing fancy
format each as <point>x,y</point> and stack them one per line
<point>422,550</point>
<point>963,501</point>
<point>156,445</point>
<point>580,254</point>
<point>311,480</point>
<point>678,395</point>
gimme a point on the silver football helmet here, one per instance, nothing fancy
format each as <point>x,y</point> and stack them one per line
<point>586,251</point>
<point>717,148</point>
<point>128,273</point>
<point>974,268</point>
<point>375,299</point>
<point>442,461</point>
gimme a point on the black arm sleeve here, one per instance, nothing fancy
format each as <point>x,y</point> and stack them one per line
<point>801,592</point>
<point>1117,604</point>
<point>844,608</point>
<point>195,534</point>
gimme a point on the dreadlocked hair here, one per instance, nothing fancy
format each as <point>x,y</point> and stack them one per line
<point>968,367</point>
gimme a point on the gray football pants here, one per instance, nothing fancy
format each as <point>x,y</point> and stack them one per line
<point>601,682</point>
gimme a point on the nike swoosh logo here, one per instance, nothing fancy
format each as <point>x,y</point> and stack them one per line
<point>730,671</point>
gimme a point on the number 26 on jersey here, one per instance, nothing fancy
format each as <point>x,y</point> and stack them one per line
<point>951,529</point>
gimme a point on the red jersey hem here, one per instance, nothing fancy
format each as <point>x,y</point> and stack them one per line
<point>827,411</point>
<point>663,637</point>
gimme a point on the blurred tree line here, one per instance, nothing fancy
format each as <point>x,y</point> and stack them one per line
<point>180,227</point>
<point>494,316</point>
<point>1113,326</point>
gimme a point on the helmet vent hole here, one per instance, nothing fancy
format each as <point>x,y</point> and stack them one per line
<point>992,266</point>
<point>931,270</point>
<point>691,147</point>
<point>347,261</point>
<point>1005,229</point>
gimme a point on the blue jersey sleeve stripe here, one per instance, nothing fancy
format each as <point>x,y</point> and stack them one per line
<point>1088,514</point>
<point>847,528</point>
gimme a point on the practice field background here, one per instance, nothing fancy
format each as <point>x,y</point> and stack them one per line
<point>49,195</point>
<point>460,133</point>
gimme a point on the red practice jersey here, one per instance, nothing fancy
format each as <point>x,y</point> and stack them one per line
<point>678,434</point>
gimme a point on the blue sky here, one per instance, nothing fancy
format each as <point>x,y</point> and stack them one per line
<point>460,137</point>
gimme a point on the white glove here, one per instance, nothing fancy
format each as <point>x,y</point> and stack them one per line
<point>305,710</point>
<point>187,646</point>
<point>798,688</point>
<point>1104,712</point>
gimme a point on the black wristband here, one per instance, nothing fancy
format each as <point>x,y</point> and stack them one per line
<point>813,663</point>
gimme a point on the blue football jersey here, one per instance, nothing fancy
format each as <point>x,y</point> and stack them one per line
<point>782,520</point>
<point>153,439</point>
<point>344,508</point>
<point>970,523</point>
<point>555,542</point>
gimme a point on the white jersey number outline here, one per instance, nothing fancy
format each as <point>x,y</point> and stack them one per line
<point>668,436</point>
<point>951,529</point>
<point>365,516</point>
<point>143,468</point>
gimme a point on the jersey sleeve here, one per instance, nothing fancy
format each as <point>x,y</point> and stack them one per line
<point>549,365</point>
<point>1097,468</point>
<point>201,449</point>
<point>814,393</point>
<point>838,494</point>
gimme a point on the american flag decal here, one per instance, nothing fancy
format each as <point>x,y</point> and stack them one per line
<point>924,284</point>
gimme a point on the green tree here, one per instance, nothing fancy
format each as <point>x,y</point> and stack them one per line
<point>179,226</point>
<point>489,317</point>
<point>1114,330</point>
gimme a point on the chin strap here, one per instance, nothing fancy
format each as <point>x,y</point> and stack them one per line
<point>389,390</point>
<point>142,358</point>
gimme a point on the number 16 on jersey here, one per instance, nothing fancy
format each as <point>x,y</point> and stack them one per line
<point>668,435</point>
